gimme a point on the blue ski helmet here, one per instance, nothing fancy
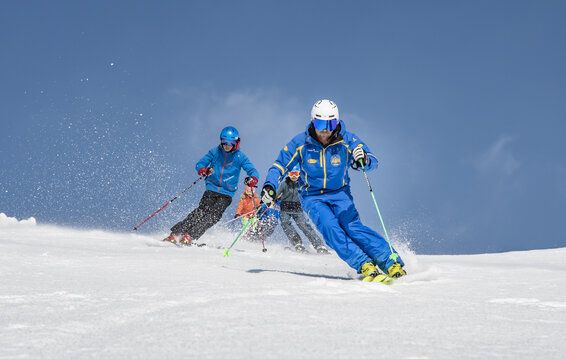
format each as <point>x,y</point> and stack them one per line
<point>229,133</point>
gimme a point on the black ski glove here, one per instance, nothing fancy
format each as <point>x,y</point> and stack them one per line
<point>268,195</point>
<point>359,155</point>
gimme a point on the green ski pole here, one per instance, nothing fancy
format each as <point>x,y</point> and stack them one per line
<point>393,255</point>
<point>227,251</point>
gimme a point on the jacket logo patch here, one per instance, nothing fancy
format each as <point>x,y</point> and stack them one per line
<point>335,160</point>
<point>312,160</point>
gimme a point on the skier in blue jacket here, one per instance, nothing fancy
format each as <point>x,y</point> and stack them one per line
<point>221,168</point>
<point>324,152</point>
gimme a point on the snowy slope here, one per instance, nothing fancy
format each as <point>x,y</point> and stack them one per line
<point>68,293</point>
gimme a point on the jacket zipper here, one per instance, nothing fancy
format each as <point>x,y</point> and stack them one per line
<point>324,161</point>
<point>221,172</point>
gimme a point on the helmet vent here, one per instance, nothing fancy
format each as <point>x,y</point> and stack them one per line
<point>325,110</point>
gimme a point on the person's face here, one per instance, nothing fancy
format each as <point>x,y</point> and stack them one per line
<point>324,129</point>
<point>294,175</point>
<point>323,136</point>
<point>228,145</point>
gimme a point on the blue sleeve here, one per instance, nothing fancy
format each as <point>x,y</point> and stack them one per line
<point>288,158</point>
<point>248,166</point>
<point>353,142</point>
<point>206,160</point>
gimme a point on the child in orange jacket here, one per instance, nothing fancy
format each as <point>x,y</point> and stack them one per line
<point>246,207</point>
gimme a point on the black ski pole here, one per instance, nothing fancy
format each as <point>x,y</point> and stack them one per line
<point>168,203</point>
<point>258,221</point>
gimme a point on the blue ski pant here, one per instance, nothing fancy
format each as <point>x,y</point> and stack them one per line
<point>337,219</point>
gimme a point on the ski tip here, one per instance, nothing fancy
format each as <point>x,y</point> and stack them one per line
<point>381,278</point>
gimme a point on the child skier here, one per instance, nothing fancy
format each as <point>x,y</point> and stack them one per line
<point>324,152</point>
<point>268,219</point>
<point>221,166</point>
<point>291,210</point>
<point>247,206</point>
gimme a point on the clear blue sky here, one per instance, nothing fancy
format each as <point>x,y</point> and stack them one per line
<point>107,106</point>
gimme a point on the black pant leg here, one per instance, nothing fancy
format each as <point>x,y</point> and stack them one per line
<point>268,227</point>
<point>215,207</point>
<point>195,216</point>
<point>211,207</point>
<point>309,232</point>
<point>289,230</point>
<point>253,234</point>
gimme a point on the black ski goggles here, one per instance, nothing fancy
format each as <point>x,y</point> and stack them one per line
<point>329,125</point>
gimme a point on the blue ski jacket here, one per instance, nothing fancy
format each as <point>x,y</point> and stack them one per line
<point>323,169</point>
<point>227,166</point>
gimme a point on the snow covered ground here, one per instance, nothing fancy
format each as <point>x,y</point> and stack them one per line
<point>67,293</point>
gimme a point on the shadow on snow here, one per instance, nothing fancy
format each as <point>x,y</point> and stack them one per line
<point>299,273</point>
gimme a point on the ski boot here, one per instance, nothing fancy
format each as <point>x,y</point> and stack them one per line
<point>186,240</point>
<point>171,239</point>
<point>300,248</point>
<point>322,250</point>
<point>396,271</point>
<point>371,274</point>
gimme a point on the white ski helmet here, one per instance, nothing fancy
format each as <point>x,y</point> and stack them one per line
<point>325,110</point>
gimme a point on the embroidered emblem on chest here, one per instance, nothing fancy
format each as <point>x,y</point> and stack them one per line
<point>335,160</point>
